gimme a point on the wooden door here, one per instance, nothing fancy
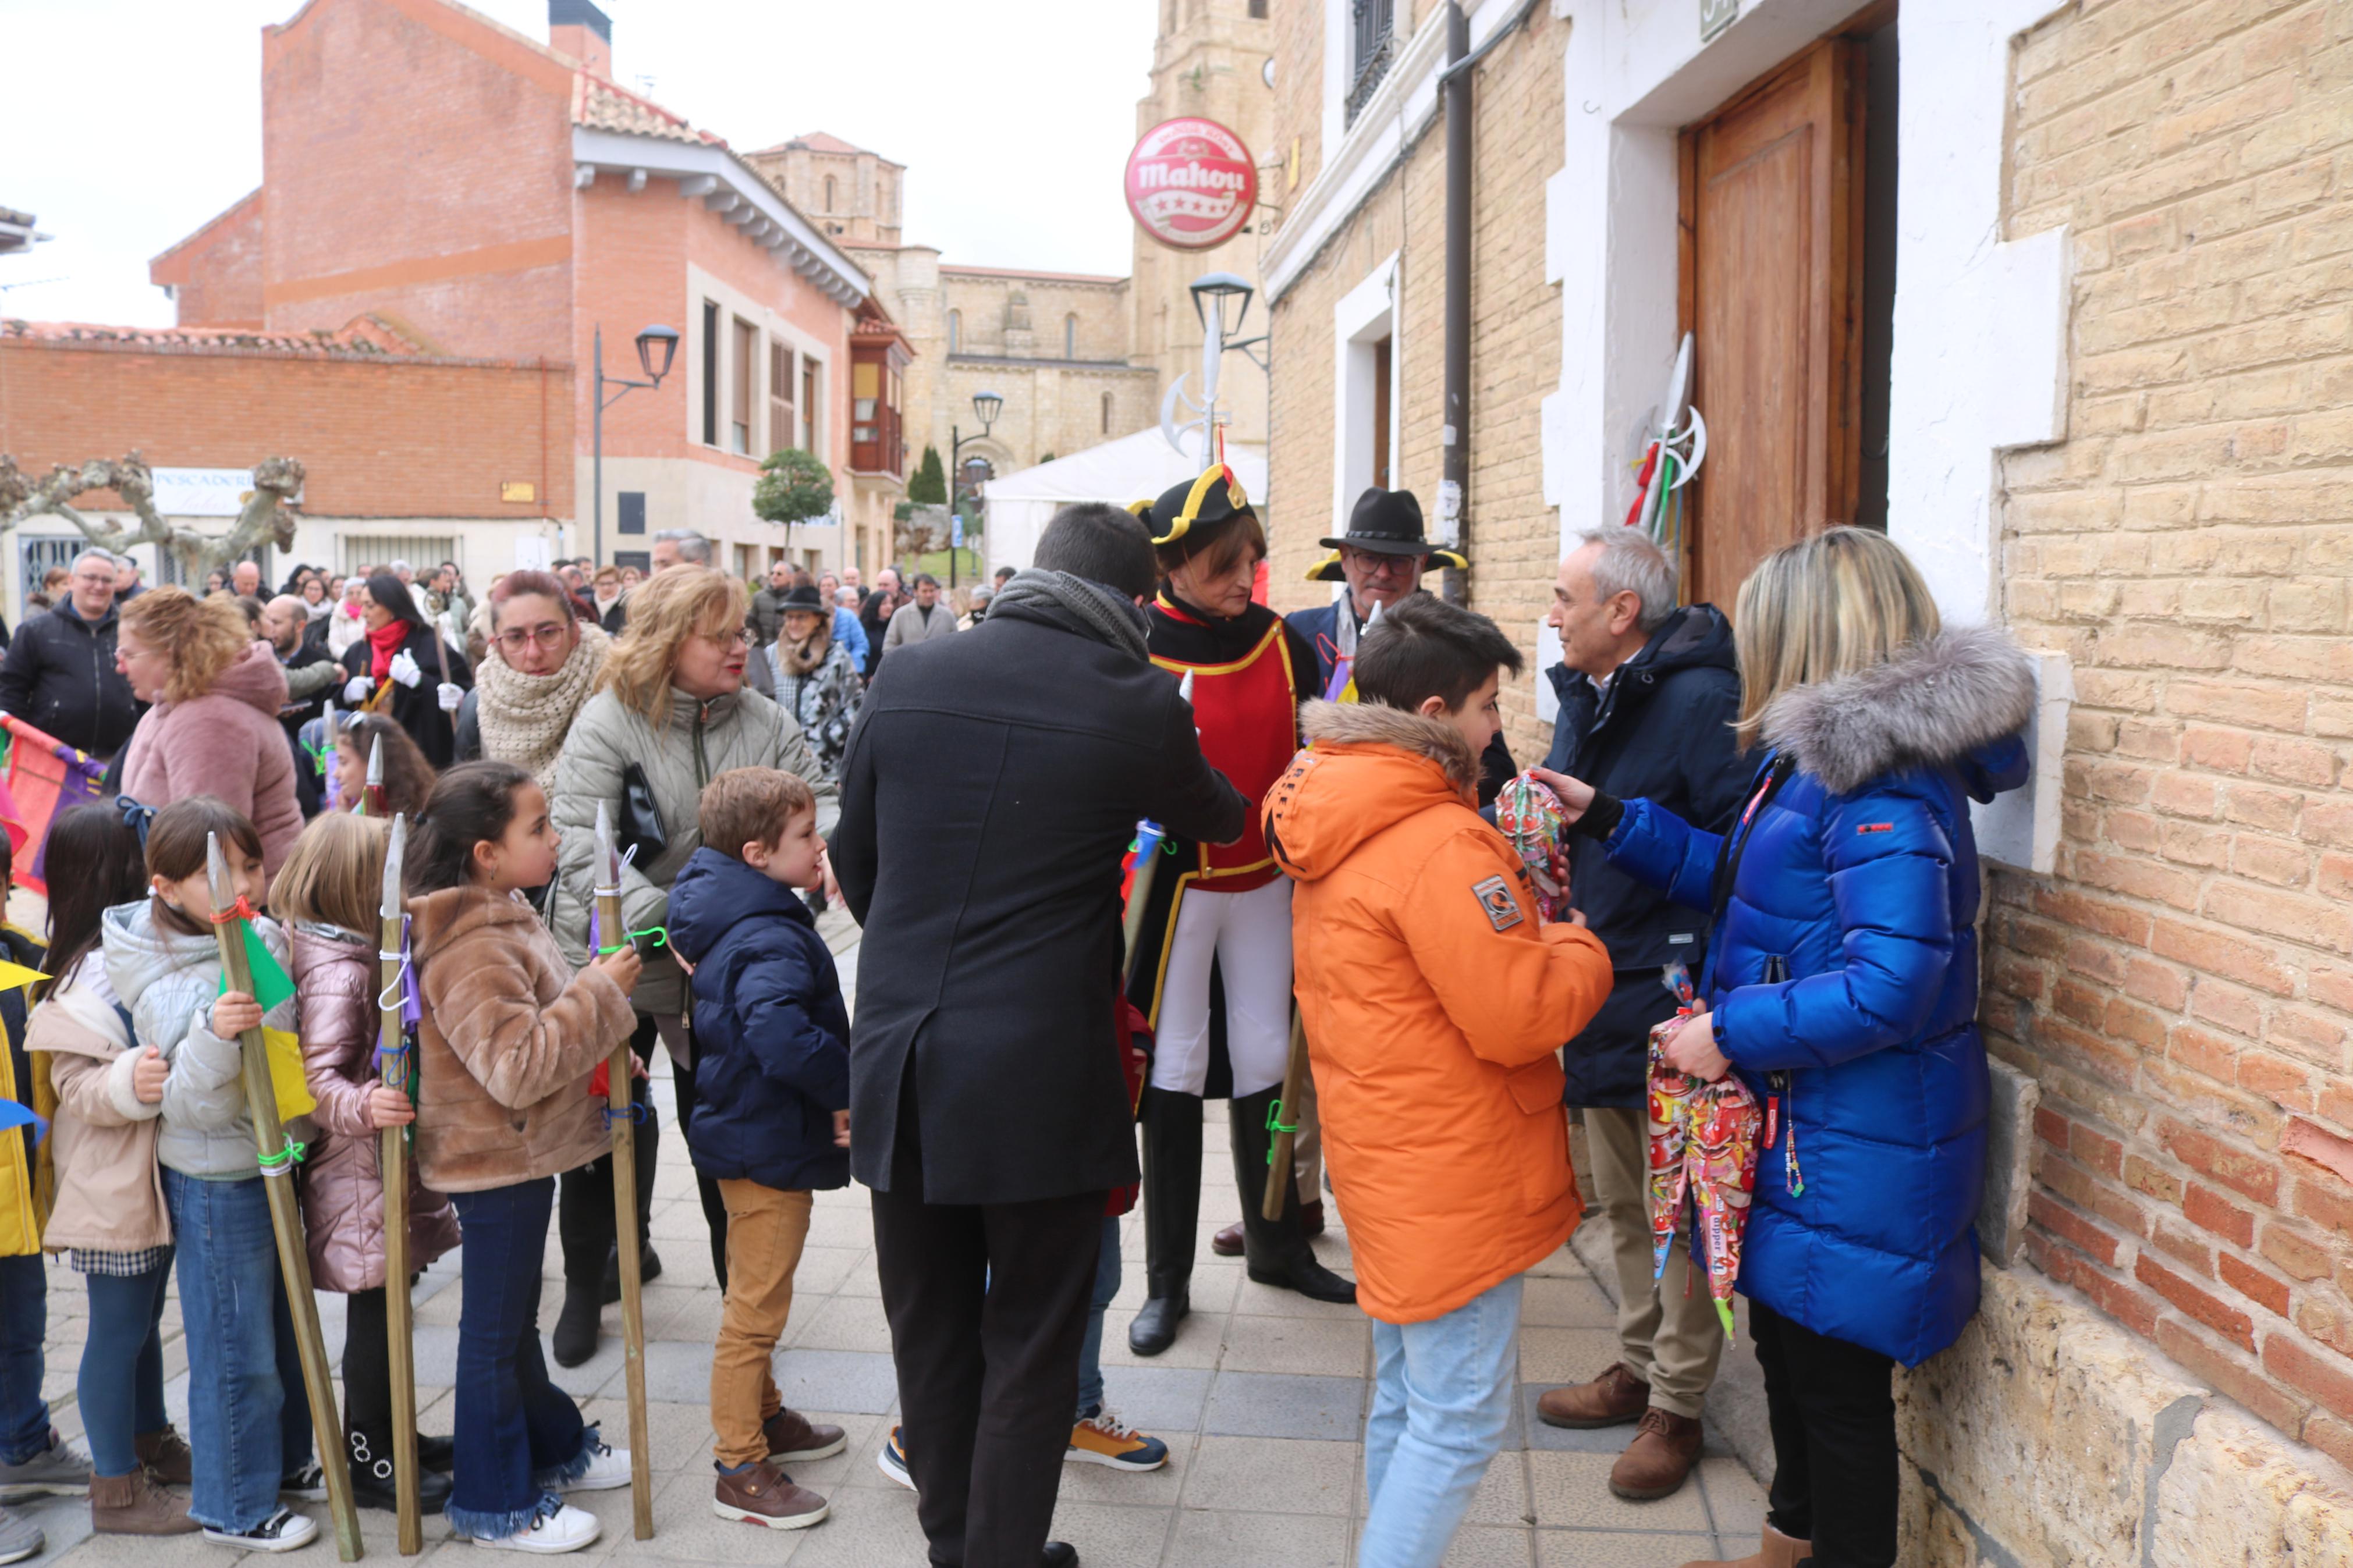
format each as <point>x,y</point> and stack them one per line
<point>1772,283</point>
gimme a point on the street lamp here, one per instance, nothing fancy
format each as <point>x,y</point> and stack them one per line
<point>988,406</point>
<point>1212,291</point>
<point>1222,303</point>
<point>652,342</point>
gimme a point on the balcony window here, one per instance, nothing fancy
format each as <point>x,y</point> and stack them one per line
<point>1372,48</point>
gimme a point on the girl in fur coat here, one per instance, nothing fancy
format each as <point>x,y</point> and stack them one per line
<point>329,895</point>
<point>509,1038</point>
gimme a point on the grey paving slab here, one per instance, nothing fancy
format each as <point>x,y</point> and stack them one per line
<point>1280,1404</point>
<point>833,1380</point>
<point>1161,1400</point>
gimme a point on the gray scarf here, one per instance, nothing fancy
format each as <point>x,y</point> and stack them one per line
<point>1074,603</point>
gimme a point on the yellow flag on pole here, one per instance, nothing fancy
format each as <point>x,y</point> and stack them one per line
<point>294,1096</point>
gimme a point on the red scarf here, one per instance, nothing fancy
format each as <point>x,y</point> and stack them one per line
<point>386,640</point>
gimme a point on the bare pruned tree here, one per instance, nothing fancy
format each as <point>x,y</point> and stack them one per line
<point>265,516</point>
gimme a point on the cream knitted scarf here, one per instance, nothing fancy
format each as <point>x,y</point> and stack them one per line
<point>524,718</point>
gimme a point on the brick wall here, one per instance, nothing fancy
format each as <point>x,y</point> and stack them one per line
<point>1514,350</point>
<point>417,163</point>
<point>2183,983</point>
<point>379,438</point>
<point>215,274</point>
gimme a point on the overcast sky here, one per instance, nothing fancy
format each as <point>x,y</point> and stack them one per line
<point>1014,121</point>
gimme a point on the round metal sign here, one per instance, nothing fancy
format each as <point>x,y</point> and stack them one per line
<point>1191,184</point>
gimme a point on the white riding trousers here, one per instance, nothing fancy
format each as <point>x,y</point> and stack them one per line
<point>1249,935</point>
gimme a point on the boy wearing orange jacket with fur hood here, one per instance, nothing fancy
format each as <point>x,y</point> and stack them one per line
<point>1433,1000</point>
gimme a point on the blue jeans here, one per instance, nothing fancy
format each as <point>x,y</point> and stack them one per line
<point>24,1323</point>
<point>1090,1389</point>
<point>249,1420</point>
<point>120,1389</point>
<point>518,1434</point>
<point>1441,1398</point>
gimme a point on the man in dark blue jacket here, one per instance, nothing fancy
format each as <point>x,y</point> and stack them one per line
<point>772,1068</point>
<point>1647,695</point>
<point>59,675</point>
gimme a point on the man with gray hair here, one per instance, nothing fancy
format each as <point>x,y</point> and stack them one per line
<point>1647,694</point>
<point>59,675</point>
<point>680,547</point>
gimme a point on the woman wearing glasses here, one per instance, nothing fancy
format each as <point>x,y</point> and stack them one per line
<point>671,712</point>
<point>540,665</point>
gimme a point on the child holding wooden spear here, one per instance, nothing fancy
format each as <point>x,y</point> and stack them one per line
<point>327,893</point>
<point>249,1423</point>
<point>507,1041</point>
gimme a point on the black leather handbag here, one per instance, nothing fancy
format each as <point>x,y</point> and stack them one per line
<point>643,838</point>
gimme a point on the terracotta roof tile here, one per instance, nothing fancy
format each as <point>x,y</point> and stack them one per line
<point>369,335</point>
<point>600,106</point>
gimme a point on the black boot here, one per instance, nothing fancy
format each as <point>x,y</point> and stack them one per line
<point>575,1339</point>
<point>1172,1213</point>
<point>1275,1250</point>
<point>372,1482</point>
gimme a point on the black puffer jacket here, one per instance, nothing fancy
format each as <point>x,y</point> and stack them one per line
<point>1662,731</point>
<point>59,677</point>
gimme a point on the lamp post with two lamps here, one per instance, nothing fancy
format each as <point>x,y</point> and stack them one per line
<point>988,406</point>
<point>663,340</point>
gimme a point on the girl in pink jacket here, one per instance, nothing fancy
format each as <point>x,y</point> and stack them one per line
<point>329,895</point>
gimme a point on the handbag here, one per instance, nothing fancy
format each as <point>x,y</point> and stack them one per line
<point>643,838</point>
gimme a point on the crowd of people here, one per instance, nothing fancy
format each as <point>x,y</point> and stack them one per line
<point>1773,804</point>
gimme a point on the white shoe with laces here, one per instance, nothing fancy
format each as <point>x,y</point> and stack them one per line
<point>609,1468</point>
<point>282,1532</point>
<point>552,1529</point>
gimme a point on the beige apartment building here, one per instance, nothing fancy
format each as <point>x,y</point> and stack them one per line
<point>2061,297</point>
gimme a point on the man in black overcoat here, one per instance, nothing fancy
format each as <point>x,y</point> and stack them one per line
<point>989,795</point>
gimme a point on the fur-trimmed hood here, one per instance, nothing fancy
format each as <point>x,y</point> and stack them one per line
<point>1933,703</point>
<point>1367,768</point>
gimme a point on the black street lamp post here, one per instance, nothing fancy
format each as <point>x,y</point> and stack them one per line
<point>988,406</point>
<point>664,339</point>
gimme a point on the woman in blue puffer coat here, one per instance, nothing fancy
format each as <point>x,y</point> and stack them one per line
<point>1842,989</point>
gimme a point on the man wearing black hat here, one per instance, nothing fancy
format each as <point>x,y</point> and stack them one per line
<point>1381,558</point>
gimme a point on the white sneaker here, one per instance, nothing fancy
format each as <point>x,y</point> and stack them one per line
<point>552,1530</point>
<point>282,1532</point>
<point>608,1467</point>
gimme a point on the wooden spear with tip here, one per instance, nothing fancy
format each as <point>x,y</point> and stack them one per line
<point>612,931</point>
<point>276,1154</point>
<point>393,1058</point>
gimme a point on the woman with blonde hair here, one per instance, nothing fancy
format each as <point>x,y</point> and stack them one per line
<point>212,726</point>
<point>330,896</point>
<point>1842,986</point>
<point>669,714</point>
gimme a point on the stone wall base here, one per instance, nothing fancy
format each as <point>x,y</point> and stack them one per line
<point>2048,1436</point>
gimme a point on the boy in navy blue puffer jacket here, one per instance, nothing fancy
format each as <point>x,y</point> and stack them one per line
<point>772,1076</point>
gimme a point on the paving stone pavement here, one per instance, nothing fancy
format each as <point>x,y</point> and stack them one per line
<point>1262,1401</point>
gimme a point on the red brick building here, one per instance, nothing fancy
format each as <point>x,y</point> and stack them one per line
<point>490,197</point>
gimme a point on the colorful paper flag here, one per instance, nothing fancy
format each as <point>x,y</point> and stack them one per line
<point>13,1116</point>
<point>271,983</point>
<point>15,976</point>
<point>293,1089</point>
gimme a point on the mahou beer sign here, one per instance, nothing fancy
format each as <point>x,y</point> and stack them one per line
<point>1191,184</point>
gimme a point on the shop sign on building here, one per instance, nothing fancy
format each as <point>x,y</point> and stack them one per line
<point>202,492</point>
<point>1191,184</point>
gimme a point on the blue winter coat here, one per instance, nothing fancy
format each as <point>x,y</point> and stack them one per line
<point>1844,983</point>
<point>771,1034</point>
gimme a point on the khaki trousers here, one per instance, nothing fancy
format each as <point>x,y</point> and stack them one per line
<point>1668,1334</point>
<point>765,1231</point>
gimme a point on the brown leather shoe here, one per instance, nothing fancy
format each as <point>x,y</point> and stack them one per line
<point>1778,1551</point>
<point>761,1494</point>
<point>1614,1398</point>
<point>1228,1243</point>
<point>165,1455</point>
<point>135,1505</point>
<point>1659,1461</point>
<point>792,1436</point>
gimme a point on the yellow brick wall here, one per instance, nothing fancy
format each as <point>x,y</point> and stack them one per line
<point>1515,344</point>
<point>2183,986</point>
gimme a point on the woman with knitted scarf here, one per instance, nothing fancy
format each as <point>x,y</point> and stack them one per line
<point>541,666</point>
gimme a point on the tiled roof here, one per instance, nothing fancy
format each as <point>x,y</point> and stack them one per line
<point>823,141</point>
<point>370,335</point>
<point>962,270</point>
<point>601,106</point>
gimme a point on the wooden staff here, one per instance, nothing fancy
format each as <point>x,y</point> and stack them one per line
<point>612,931</point>
<point>1148,839</point>
<point>372,793</point>
<point>392,1161</point>
<point>441,670</point>
<point>275,1155</point>
<point>1279,1176</point>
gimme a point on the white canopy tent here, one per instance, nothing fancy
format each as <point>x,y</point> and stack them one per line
<point>1127,470</point>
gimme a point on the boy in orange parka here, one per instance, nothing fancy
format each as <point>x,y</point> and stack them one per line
<point>1433,1001</point>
